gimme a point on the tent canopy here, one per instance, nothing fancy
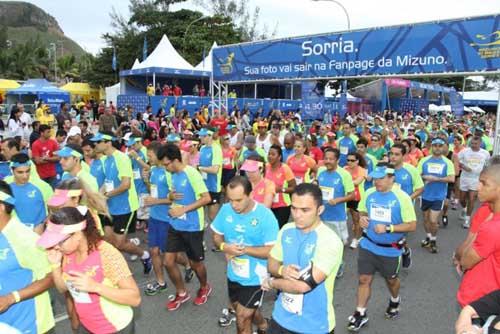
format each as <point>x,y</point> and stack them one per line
<point>482,98</point>
<point>39,89</point>
<point>136,64</point>
<point>164,61</point>
<point>6,85</point>
<point>77,88</point>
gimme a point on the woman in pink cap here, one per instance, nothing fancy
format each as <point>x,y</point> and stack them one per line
<point>92,270</point>
<point>263,190</point>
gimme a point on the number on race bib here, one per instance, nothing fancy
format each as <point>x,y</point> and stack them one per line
<point>241,267</point>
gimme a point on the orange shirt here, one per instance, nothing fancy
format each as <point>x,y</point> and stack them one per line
<point>300,166</point>
<point>279,177</point>
<point>263,188</point>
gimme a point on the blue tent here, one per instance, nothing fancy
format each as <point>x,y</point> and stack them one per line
<point>39,89</point>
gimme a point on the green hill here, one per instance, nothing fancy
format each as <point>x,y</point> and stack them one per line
<point>24,21</point>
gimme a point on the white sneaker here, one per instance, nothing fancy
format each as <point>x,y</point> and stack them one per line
<point>354,243</point>
<point>466,224</point>
<point>137,242</point>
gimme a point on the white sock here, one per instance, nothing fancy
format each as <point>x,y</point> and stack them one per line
<point>429,235</point>
<point>433,238</point>
<point>361,310</point>
<point>395,300</point>
<point>467,218</point>
<point>145,255</point>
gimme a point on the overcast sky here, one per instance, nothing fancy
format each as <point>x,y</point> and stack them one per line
<point>85,21</point>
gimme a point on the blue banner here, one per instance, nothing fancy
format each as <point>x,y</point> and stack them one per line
<point>457,104</point>
<point>462,45</point>
<point>138,102</point>
<point>313,100</point>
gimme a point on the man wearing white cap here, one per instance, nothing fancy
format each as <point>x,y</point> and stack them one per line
<point>74,135</point>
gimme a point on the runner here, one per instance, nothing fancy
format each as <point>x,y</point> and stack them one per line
<point>337,189</point>
<point>302,165</point>
<point>288,146</point>
<point>42,152</point>
<point>122,198</point>
<point>263,190</point>
<point>387,214</point>
<point>71,161</point>
<point>371,161</point>
<point>283,178</point>
<point>437,171</point>
<point>229,153</point>
<point>189,195</point>
<point>93,271</point>
<point>31,193</point>
<point>246,245</point>
<point>472,161</point>
<point>356,166</point>
<point>95,160</point>
<point>211,170</point>
<point>346,143</point>
<point>304,262</point>
<point>376,148</point>
<point>24,273</point>
<point>410,182</point>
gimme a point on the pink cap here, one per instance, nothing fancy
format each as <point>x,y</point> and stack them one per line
<point>251,166</point>
<point>55,233</point>
<point>61,196</point>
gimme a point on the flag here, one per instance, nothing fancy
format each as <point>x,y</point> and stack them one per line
<point>204,52</point>
<point>145,49</point>
<point>113,63</point>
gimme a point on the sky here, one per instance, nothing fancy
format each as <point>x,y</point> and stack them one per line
<point>85,21</point>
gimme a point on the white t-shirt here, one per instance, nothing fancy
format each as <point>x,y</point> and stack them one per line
<point>475,160</point>
<point>15,128</point>
<point>264,144</point>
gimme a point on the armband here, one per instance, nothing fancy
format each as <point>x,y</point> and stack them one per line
<point>280,270</point>
<point>17,297</point>
<point>307,276</point>
<point>221,246</point>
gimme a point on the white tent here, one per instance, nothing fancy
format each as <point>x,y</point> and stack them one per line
<point>164,55</point>
<point>112,93</point>
<point>136,63</point>
<point>482,95</point>
<point>206,64</point>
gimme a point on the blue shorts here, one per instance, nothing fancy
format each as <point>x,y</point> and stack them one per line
<point>158,233</point>
<point>431,205</point>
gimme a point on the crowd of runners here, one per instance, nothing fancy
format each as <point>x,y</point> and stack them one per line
<point>280,199</point>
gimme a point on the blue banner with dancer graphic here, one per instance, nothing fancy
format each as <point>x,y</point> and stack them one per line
<point>462,45</point>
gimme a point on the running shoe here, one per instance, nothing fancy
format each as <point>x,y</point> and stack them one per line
<point>202,296</point>
<point>392,311</point>
<point>406,257</point>
<point>354,243</point>
<point>148,265</point>
<point>137,242</point>
<point>433,247</point>
<point>426,243</point>
<point>188,274</point>
<point>444,219</point>
<point>340,272</point>
<point>155,288</point>
<point>466,224</point>
<point>356,321</point>
<point>227,318</point>
<point>175,303</point>
<point>454,204</point>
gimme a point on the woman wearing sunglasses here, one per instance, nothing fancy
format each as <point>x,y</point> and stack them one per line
<point>356,166</point>
<point>92,270</point>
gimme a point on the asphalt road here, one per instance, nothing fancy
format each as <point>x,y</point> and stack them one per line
<point>428,291</point>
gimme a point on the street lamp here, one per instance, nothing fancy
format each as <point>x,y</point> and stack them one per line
<point>343,8</point>
<point>187,29</point>
<point>53,45</point>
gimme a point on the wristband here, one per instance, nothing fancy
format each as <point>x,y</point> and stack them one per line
<point>221,247</point>
<point>16,295</point>
<point>280,270</point>
<point>392,228</point>
<point>55,265</point>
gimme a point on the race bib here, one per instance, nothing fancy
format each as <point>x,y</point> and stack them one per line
<point>226,161</point>
<point>299,180</point>
<point>380,214</point>
<point>154,191</point>
<point>240,267</point>
<point>292,302</point>
<point>108,186</point>
<point>344,150</point>
<point>328,193</point>
<point>136,173</point>
<point>204,175</point>
<point>78,296</point>
<point>435,168</point>
<point>276,198</point>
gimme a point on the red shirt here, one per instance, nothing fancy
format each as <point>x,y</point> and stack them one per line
<point>221,124</point>
<point>316,153</point>
<point>45,148</point>
<point>484,277</point>
<point>482,214</point>
<point>177,91</point>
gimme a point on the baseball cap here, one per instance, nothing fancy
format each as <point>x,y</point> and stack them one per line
<point>204,132</point>
<point>132,140</point>
<point>101,136</point>
<point>438,141</point>
<point>380,172</point>
<point>55,233</point>
<point>4,197</point>
<point>61,196</point>
<point>67,151</point>
<point>251,166</point>
<point>172,138</point>
<point>74,131</point>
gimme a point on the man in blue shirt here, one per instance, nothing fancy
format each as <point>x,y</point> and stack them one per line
<point>288,149</point>
<point>245,231</point>
<point>437,172</point>
<point>387,213</point>
<point>346,144</point>
<point>304,262</point>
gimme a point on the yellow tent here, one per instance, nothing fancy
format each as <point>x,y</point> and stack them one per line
<point>6,85</point>
<point>81,89</point>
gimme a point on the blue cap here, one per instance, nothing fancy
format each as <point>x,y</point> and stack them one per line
<point>438,141</point>
<point>380,172</point>
<point>478,129</point>
<point>172,138</point>
<point>230,126</point>
<point>100,136</point>
<point>204,132</point>
<point>68,152</point>
<point>132,140</point>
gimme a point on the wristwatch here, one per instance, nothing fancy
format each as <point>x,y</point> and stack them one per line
<point>388,229</point>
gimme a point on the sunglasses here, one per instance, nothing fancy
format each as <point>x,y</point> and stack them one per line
<point>351,160</point>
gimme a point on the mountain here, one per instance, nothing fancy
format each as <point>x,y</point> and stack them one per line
<point>25,20</point>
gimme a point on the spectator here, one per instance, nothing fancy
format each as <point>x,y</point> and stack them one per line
<point>177,90</point>
<point>43,155</point>
<point>107,122</point>
<point>63,115</point>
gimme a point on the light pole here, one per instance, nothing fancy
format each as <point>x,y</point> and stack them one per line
<point>343,8</point>
<point>53,45</point>
<point>187,29</point>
